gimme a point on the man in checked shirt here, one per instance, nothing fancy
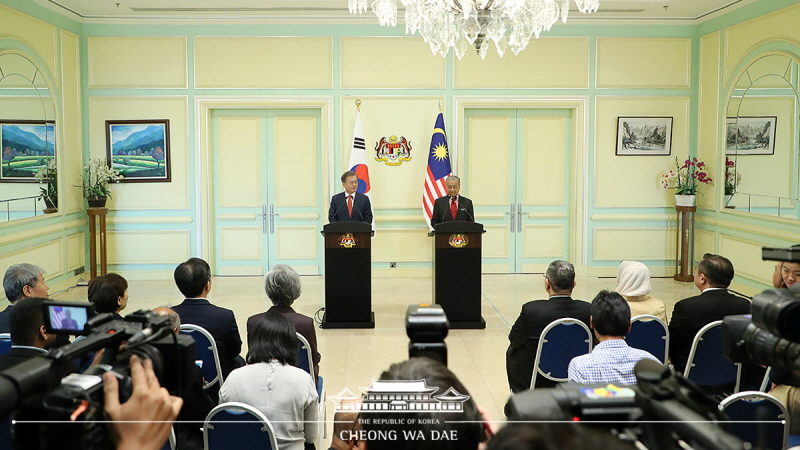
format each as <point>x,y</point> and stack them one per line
<point>612,360</point>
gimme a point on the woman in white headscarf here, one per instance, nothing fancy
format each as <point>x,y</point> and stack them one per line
<point>633,283</point>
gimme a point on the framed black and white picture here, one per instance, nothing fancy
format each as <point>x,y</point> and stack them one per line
<point>139,149</point>
<point>750,135</point>
<point>644,136</point>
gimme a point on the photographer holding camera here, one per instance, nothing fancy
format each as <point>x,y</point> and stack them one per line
<point>143,422</point>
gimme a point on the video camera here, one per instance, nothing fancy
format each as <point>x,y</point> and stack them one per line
<point>59,408</point>
<point>663,411</point>
<point>771,334</point>
<point>426,327</point>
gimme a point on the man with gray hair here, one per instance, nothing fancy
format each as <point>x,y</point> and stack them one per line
<point>452,206</point>
<point>559,280</point>
<point>282,285</point>
<point>21,281</point>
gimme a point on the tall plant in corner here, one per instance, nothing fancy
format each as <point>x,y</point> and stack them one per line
<point>97,174</point>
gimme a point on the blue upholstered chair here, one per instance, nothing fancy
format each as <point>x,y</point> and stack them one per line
<point>757,418</point>
<point>649,333</point>
<point>5,343</point>
<point>206,351</point>
<point>305,361</point>
<point>560,341</point>
<point>707,365</point>
<point>234,425</point>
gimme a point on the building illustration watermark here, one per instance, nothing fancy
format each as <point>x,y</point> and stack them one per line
<point>404,396</point>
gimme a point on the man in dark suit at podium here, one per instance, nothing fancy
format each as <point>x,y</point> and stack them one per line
<point>452,206</point>
<point>350,206</point>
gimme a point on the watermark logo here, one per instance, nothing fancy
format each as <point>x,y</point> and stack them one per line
<point>400,396</point>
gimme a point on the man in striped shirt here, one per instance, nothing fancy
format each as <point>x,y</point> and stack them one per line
<point>612,360</point>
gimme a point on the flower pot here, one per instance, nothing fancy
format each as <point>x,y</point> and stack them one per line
<point>96,201</point>
<point>726,199</point>
<point>51,205</point>
<point>685,200</point>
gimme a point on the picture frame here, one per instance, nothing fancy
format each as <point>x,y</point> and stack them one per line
<point>139,149</point>
<point>27,146</point>
<point>644,136</point>
<point>750,135</point>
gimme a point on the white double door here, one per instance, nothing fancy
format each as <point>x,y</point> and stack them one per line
<point>518,165</point>
<point>266,190</point>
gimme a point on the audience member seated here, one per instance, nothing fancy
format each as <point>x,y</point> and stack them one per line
<point>712,277</point>
<point>196,404</point>
<point>193,278</point>
<point>271,383</point>
<point>555,436</point>
<point>633,283</point>
<point>109,294</point>
<point>611,360</point>
<point>282,285</point>
<point>430,429</point>
<point>345,428</point>
<point>559,280</point>
<point>28,336</point>
<point>21,281</point>
<point>778,278</point>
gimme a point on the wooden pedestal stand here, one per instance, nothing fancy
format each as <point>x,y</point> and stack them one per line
<point>93,214</point>
<point>684,249</point>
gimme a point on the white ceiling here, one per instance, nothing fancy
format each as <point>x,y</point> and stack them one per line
<point>94,11</point>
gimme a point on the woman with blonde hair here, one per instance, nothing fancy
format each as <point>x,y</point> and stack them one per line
<point>633,283</point>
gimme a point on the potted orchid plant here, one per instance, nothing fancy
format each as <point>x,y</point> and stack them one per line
<point>96,177</point>
<point>47,175</point>
<point>686,178</point>
<point>732,180</point>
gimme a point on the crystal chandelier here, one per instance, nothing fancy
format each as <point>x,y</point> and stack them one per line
<point>446,24</point>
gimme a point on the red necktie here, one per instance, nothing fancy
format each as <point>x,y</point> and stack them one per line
<point>453,207</point>
<point>350,205</point>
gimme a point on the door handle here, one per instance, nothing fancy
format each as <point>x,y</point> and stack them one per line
<point>272,215</point>
<point>519,217</point>
<point>263,216</point>
<point>512,217</point>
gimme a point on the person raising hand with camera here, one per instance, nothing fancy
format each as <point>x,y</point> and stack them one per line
<point>143,422</point>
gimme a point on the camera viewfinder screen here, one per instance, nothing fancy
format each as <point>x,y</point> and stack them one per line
<point>67,318</point>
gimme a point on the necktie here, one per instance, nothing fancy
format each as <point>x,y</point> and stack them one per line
<point>350,205</point>
<point>453,207</point>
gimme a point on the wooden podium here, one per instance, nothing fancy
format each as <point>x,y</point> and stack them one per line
<point>348,275</point>
<point>457,272</point>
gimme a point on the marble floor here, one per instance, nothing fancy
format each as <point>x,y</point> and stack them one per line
<point>352,358</point>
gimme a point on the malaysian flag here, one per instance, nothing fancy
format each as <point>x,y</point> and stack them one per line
<point>358,163</point>
<point>438,169</point>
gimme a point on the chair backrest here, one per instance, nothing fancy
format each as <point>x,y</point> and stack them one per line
<point>757,418</point>
<point>651,334</point>
<point>235,425</point>
<point>5,343</point>
<point>206,351</point>
<point>560,341</point>
<point>305,360</point>
<point>707,365</point>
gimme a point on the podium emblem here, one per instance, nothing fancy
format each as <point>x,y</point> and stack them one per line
<point>347,240</point>
<point>393,150</point>
<point>458,240</point>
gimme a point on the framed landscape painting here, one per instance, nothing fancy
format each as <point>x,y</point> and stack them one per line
<point>27,146</point>
<point>750,135</point>
<point>644,136</point>
<point>139,149</point>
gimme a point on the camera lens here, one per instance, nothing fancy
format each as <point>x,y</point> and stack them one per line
<point>778,310</point>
